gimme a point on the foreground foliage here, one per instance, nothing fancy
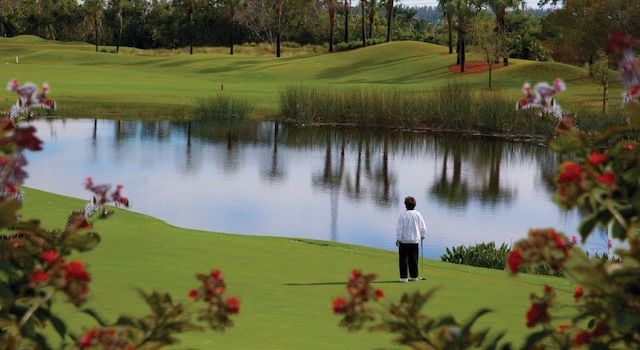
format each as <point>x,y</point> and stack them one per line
<point>36,263</point>
<point>605,313</point>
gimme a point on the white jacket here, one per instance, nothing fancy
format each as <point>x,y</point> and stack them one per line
<point>411,227</point>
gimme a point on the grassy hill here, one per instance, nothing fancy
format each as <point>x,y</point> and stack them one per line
<point>285,285</point>
<point>162,83</point>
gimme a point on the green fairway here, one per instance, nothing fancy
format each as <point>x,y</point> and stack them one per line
<point>100,84</point>
<point>285,285</point>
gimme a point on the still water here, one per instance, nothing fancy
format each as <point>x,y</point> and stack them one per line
<point>339,184</point>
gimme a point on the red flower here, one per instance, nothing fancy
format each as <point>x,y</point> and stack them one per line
<point>339,305</point>
<point>88,337</point>
<point>582,338</point>
<point>620,41</point>
<point>570,172</point>
<point>216,274</point>
<point>514,260</point>
<point>630,146</point>
<point>607,178</point>
<point>355,274</point>
<point>233,305</point>
<point>49,256</point>
<point>193,294</point>
<point>25,138</point>
<point>74,270</point>
<point>601,329</point>
<point>597,158</point>
<point>379,294</point>
<point>537,313</point>
<point>39,276</point>
<point>578,293</point>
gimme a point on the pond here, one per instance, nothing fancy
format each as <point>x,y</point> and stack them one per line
<point>330,183</point>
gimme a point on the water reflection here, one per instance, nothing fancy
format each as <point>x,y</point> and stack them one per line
<point>341,184</point>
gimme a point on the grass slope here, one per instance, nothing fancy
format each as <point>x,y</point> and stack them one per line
<point>85,81</point>
<point>286,286</point>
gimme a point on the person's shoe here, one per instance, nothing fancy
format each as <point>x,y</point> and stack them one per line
<point>403,280</point>
<point>413,279</point>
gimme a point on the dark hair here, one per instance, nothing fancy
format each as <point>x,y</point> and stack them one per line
<point>409,202</point>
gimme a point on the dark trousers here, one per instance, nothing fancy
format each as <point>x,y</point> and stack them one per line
<point>408,258</point>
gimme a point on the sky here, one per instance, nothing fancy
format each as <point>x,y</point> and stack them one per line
<point>530,3</point>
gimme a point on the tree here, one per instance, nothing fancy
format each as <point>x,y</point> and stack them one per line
<point>601,72</point>
<point>332,23</point>
<point>347,9</point>
<point>448,11</point>
<point>372,16</point>
<point>389,5</point>
<point>363,7</point>
<point>95,8</point>
<point>499,8</point>
<point>489,39</point>
<point>279,15</point>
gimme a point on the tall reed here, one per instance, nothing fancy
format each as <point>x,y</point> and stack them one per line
<point>223,106</point>
<point>454,107</point>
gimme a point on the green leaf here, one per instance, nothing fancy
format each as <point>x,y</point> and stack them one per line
<point>96,316</point>
<point>536,337</point>
<point>617,231</point>
<point>633,109</point>
<point>59,326</point>
<point>565,143</point>
<point>591,221</point>
<point>86,241</point>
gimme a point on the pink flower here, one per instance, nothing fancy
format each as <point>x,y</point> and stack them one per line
<point>574,240</point>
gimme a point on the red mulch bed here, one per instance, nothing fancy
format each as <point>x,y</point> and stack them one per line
<point>474,67</point>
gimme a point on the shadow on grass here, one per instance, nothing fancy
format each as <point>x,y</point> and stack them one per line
<point>336,283</point>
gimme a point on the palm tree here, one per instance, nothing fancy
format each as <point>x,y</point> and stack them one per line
<point>389,18</point>
<point>372,16</point>
<point>499,7</point>
<point>191,8</point>
<point>363,6</point>
<point>448,11</point>
<point>347,9</point>
<point>332,23</point>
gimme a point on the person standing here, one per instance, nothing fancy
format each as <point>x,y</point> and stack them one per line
<point>410,230</point>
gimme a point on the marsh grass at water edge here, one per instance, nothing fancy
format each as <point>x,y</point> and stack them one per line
<point>453,107</point>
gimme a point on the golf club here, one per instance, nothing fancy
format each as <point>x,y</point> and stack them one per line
<point>422,253</point>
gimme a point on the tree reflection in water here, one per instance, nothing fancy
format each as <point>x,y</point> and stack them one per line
<point>334,183</point>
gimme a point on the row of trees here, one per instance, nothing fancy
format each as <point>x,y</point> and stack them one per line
<point>572,33</point>
<point>182,23</point>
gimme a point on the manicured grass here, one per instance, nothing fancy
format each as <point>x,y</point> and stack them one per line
<point>286,286</point>
<point>135,83</point>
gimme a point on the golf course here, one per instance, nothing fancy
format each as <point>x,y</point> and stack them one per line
<point>285,285</point>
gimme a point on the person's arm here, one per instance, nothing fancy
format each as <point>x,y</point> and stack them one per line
<point>423,228</point>
<point>399,229</point>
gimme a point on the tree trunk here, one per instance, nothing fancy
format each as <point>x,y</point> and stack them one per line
<point>332,23</point>
<point>363,5</point>
<point>389,19</point>
<point>347,8</point>
<point>232,13</point>
<point>279,13</point>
